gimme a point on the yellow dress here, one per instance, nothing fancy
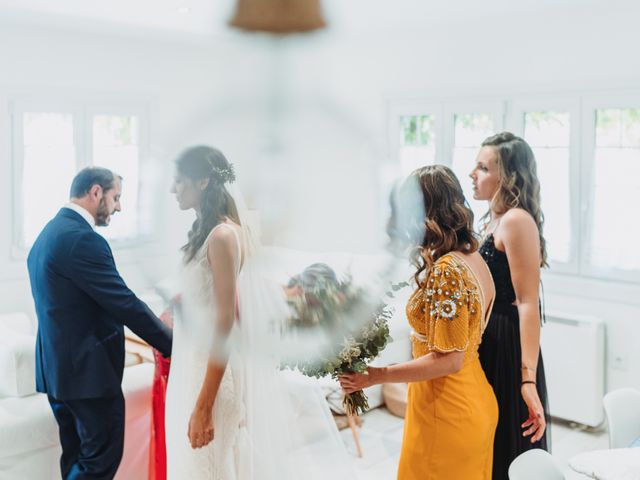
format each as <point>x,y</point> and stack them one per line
<point>450,421</point>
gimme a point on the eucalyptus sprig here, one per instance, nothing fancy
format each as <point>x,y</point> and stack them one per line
<point>327,303</point>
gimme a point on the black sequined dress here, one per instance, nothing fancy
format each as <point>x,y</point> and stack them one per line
<point>500,356</point>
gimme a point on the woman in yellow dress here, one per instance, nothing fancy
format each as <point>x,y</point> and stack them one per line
<point>452,412</point>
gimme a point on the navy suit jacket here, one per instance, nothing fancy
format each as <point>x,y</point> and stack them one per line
<point>82,305</point>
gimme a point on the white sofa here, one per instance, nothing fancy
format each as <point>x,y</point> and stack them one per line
<point>29,443</point>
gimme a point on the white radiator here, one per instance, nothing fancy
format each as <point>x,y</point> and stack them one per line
<point>573,349</point>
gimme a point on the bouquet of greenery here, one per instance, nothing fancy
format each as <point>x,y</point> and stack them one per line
<point>359,330</point>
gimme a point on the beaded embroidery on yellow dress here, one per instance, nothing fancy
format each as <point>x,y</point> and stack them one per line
<point>450,421</point>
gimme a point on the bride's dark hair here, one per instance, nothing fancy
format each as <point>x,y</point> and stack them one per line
<point>216,204</point>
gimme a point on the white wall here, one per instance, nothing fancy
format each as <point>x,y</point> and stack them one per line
<point>306,119</point>
<point>177,82</point>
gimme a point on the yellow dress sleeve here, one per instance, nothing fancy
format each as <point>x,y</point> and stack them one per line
<point>447,310</point>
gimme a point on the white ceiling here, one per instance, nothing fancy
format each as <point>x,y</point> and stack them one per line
<point>209,17</point>
<point>203,18</point>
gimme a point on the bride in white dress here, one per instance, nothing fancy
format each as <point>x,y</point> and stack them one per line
<point>204,393</point>
<point>229,414</point>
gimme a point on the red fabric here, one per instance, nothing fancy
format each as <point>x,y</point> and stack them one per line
<point>158,448</point>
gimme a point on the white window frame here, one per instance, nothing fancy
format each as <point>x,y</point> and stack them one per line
<point>82,112</point>
<point>128,109</point>
<point>17,109</point>
<point>590,104</point>
<point>444,113</point>
<point>495,108</point>
<point>515,122</point>
<point>508,111</point>
<point>406,109</point>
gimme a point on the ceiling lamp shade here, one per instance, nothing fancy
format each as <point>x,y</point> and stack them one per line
<point>278,16</point>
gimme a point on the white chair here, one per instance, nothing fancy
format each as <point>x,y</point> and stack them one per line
<point>535,464</point>
<point>622,408</point>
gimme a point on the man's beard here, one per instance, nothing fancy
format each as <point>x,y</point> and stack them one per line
<point>102,215</point>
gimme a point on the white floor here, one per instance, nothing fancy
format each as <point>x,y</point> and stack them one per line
<point>381,438</point>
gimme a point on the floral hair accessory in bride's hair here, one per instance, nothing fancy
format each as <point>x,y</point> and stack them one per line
<point>224,174</point>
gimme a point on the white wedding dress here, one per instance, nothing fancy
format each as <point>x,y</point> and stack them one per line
<point>193,337</point>
<point>268,425</point>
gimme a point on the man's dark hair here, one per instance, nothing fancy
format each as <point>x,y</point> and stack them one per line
<point>90,176</point>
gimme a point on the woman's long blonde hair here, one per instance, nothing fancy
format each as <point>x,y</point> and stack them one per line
<point>519,184</point>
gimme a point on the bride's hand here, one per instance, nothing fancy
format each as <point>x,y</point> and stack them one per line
<point>200,427</point>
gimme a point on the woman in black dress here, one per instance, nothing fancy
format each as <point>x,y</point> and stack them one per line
<point>514,249</point>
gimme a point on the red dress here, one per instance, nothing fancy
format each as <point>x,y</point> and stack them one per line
<point>158,449</point>
<point>158,446</point>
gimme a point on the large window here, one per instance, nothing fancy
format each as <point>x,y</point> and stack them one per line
<point>615,190</point>
<point>115,141</point>
<point>469,130</point>
<point>426,133</point>
<point>587,149</point>
<point>52,144</point>
<point>417,142</point>
<point>549,135</point>
<point>48,162</point>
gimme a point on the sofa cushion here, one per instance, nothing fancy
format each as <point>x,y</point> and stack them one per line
<point>26,424</point>
<point>17,364</point>
<point>18,323</point>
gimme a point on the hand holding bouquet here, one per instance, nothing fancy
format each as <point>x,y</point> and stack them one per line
<point>358,330</point>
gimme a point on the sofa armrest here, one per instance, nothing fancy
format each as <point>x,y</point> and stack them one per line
<point>17,365</point>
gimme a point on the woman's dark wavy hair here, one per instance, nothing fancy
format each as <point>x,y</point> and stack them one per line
<point>443,221</point>
<point>519,184</point>
<point>199,163</point>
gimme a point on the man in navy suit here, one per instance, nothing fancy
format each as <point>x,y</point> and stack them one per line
<point>82,305</point>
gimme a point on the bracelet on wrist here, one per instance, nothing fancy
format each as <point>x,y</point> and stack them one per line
<point>524,382</point>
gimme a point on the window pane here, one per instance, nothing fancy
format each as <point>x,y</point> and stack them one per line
<point>615,184</point>
<point>631,127</point>
<point>547,129</point>
<point>115,146</point>
<point>417,142</point>
<point>49,164</point>
<point>618,128</point>
<point>470,130</point>
<point>548,133</point>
